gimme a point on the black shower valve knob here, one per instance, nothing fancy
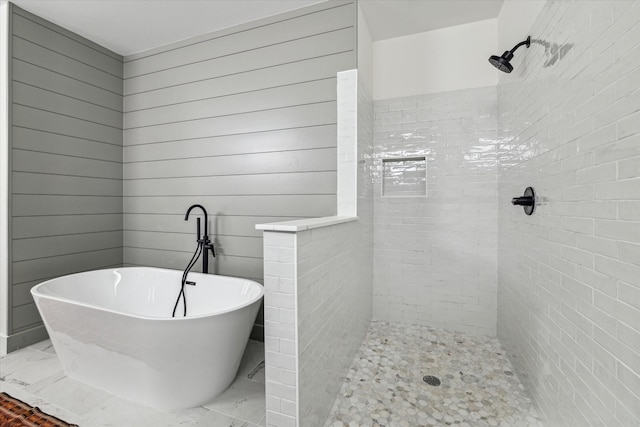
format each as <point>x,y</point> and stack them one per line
<point>528,201</point>
<point>522,201</point>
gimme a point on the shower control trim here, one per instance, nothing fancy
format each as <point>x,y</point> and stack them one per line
<point>527,201</point>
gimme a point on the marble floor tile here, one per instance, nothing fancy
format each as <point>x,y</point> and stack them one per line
<point>257,373</point>
<point>385,386</point>
<point>25,367</point>
<point>216,419</point>
<point>35,376</point>
<point>120,412</point>
<point>70,394</point>
<point>45,346</point>
<point>252,365</point>
<point>244,399</point>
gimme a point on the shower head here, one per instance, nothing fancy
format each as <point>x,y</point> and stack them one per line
<point>503,63</point>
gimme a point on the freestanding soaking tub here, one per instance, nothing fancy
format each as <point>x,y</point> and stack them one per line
<point>113,329</point>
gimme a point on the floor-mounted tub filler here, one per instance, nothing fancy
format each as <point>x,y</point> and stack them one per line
<point>113,329</point>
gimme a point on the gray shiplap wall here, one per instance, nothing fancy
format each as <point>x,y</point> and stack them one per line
<point>242,121</point>
<point>66,161</point>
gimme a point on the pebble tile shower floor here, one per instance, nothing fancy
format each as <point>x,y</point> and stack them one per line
<point>385,387</point>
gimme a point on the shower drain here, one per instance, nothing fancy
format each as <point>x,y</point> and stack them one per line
<point>431,380</point>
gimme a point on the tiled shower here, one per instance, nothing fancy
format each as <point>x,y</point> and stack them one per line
<point>436,243</point>
<point>564,280</point>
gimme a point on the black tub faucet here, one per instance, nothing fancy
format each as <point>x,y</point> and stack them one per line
<point>203,241</point>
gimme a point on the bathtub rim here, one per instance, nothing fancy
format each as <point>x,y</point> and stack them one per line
<point>34,292</point>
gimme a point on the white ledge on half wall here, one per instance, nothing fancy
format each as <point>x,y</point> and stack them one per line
<point>305,224</point>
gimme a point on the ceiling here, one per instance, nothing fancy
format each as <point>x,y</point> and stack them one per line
<point>132,26</point>
<point>395,18</point>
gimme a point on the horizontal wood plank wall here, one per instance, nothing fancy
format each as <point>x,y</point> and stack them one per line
<point>67,132</point>
<point>242,121</point>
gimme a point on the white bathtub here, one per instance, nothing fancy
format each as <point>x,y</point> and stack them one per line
<point>113,329</point>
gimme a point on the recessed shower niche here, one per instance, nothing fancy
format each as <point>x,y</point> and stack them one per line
<point>404,177</point>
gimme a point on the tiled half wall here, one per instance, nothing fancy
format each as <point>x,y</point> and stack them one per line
<point>316,315</point>
<point>318,280</point>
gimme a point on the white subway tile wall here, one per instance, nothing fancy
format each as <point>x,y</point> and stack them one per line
<point>569,275</point>
<point>435,259</point>
<point>405,176</point>
<point>366,170</point>
<point>334,303</point>
<point>280,338</point>
<point>347,106</point>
